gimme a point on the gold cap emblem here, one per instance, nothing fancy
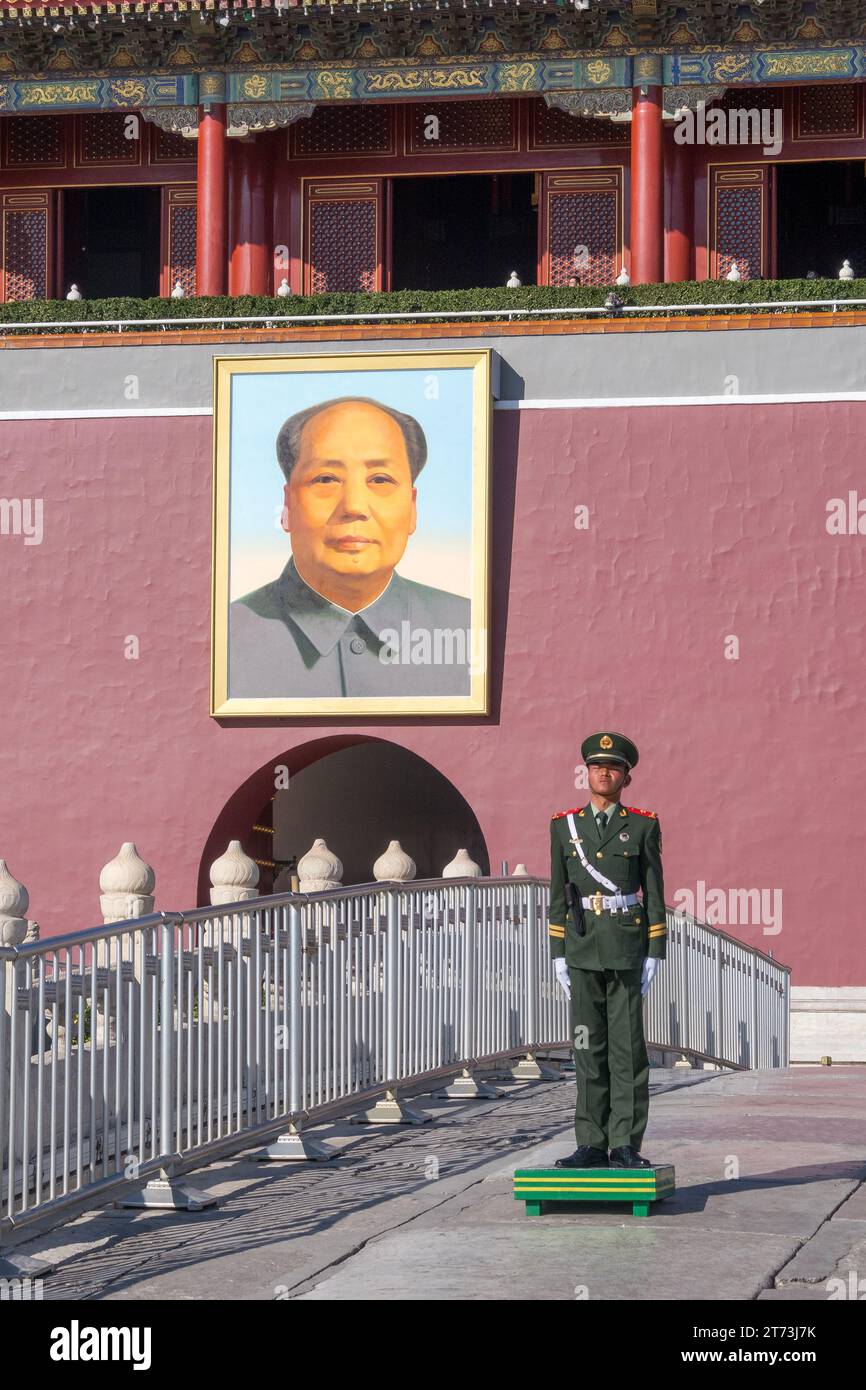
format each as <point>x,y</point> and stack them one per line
<point>605,741</point>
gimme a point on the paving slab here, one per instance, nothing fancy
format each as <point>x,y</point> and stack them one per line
<point>561,1259</point>
<point>770,1202</point>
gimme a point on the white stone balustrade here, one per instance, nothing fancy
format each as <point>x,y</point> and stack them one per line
<point>14,902</point>
<point>462,866</point>
<point>394,866</point>
<point>319,869</point>
<point>126,886</point>
<point>234,876</point>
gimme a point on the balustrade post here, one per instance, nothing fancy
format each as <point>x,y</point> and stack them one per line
<point>466,1087</point>
<point>390,1110</point>
<point>295,1144</point>
<point>166,1192</point>
<point>529,1068</point>
<point>718,1040</point>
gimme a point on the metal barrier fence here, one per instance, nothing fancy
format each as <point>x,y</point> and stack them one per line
<point>148,1046</point>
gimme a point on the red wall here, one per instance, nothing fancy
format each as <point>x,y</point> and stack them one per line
<point>705,521</point>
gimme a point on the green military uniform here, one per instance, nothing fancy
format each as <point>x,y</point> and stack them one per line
<point>605,964</point>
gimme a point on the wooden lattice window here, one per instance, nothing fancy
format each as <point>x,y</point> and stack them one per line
<point>552,129</point>
<point>738,220</point>
<point>343,242</point>
<point>169,148</point>
<point>582,227</point>
<point>33,142</point>
<point>107,137</point>
<point>490,124</point>
<point>180,231</point>
<point>829,112</point>
<point>24,245</point>
<point>342,130</point>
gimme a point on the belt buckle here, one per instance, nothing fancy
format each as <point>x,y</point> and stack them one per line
<point>596,903</point>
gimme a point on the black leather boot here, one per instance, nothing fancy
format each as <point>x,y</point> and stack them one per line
<point>627,1157</point>
<point>584,1156</point>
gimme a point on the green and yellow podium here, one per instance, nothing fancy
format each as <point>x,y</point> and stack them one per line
<point>639,1186</point>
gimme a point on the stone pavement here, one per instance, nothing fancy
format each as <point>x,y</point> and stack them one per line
<point>771,1203</point>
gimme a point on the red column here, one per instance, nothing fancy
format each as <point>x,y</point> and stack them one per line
<point>647,188</point>
<point>251,214</point>
<point>211,233</point>
<point>679,210</point>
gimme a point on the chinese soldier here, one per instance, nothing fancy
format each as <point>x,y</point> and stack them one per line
<point>606,944</point>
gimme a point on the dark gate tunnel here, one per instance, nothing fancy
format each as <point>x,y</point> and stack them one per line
<point>357,794</point>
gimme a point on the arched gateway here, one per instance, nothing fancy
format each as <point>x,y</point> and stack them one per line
<point>357,793</point>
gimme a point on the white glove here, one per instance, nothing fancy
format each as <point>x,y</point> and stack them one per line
<point>561,971</point>
<point>650,966</point>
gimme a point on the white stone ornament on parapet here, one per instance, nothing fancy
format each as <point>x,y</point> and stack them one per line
<point>734,272</point>
<point>319,869</point>
<point>14,901</point>
<point>283,290</point>
<point>462,866</point>
<point>623,278</point>
<point>514,281</point>
<point>520,871</point>
<point>234,877</point>
<point>126,886</point>
<point>178,292</point>
<point>74,293</point>
<point>394,866</point>
<point>845,271</point>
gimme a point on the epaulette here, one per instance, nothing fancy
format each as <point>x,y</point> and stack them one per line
<point>636,811</point>
<point>570,811</point>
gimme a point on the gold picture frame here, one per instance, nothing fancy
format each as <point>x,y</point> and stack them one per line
<point>266,621</point>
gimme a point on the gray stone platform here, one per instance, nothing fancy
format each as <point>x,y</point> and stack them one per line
<point>770,1204</point>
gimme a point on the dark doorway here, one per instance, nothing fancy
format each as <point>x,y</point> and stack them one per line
<point>821,218</point>
<point>111,241</point>
<point>459,232</point>
<point>360,798</point>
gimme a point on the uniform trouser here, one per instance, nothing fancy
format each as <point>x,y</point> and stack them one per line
<point>610,1058</point>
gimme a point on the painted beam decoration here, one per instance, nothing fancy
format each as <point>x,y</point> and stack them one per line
<point>115,55</point>
<point>392,81</point>
<point>409,80</point>
<point>773,66</point>
<point>98,93</point>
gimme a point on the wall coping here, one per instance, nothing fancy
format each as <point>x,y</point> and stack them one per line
<point>673,323</point>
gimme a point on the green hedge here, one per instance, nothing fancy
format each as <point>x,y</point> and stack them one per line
<point>477,301</point>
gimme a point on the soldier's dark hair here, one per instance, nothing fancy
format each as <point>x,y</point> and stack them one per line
<point>289,437</point>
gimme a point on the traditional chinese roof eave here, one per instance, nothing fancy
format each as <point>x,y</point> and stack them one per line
<point>355,44</point>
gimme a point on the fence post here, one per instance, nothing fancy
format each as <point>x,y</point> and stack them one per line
<point>532,982</point>
<point>529,1068</point>
<point>389,1110</point>
<point>466,1087</point>
<point>295,1144</point>
<point>166,1191</point>
<point>392,985</point>
<point>685,937</point>
<point>7,1090</point>
<point>12,1264</point>
<point>718,1039</point>
<point>166,1039</point>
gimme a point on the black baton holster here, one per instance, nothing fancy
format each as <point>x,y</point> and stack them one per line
<point>575,907</point>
